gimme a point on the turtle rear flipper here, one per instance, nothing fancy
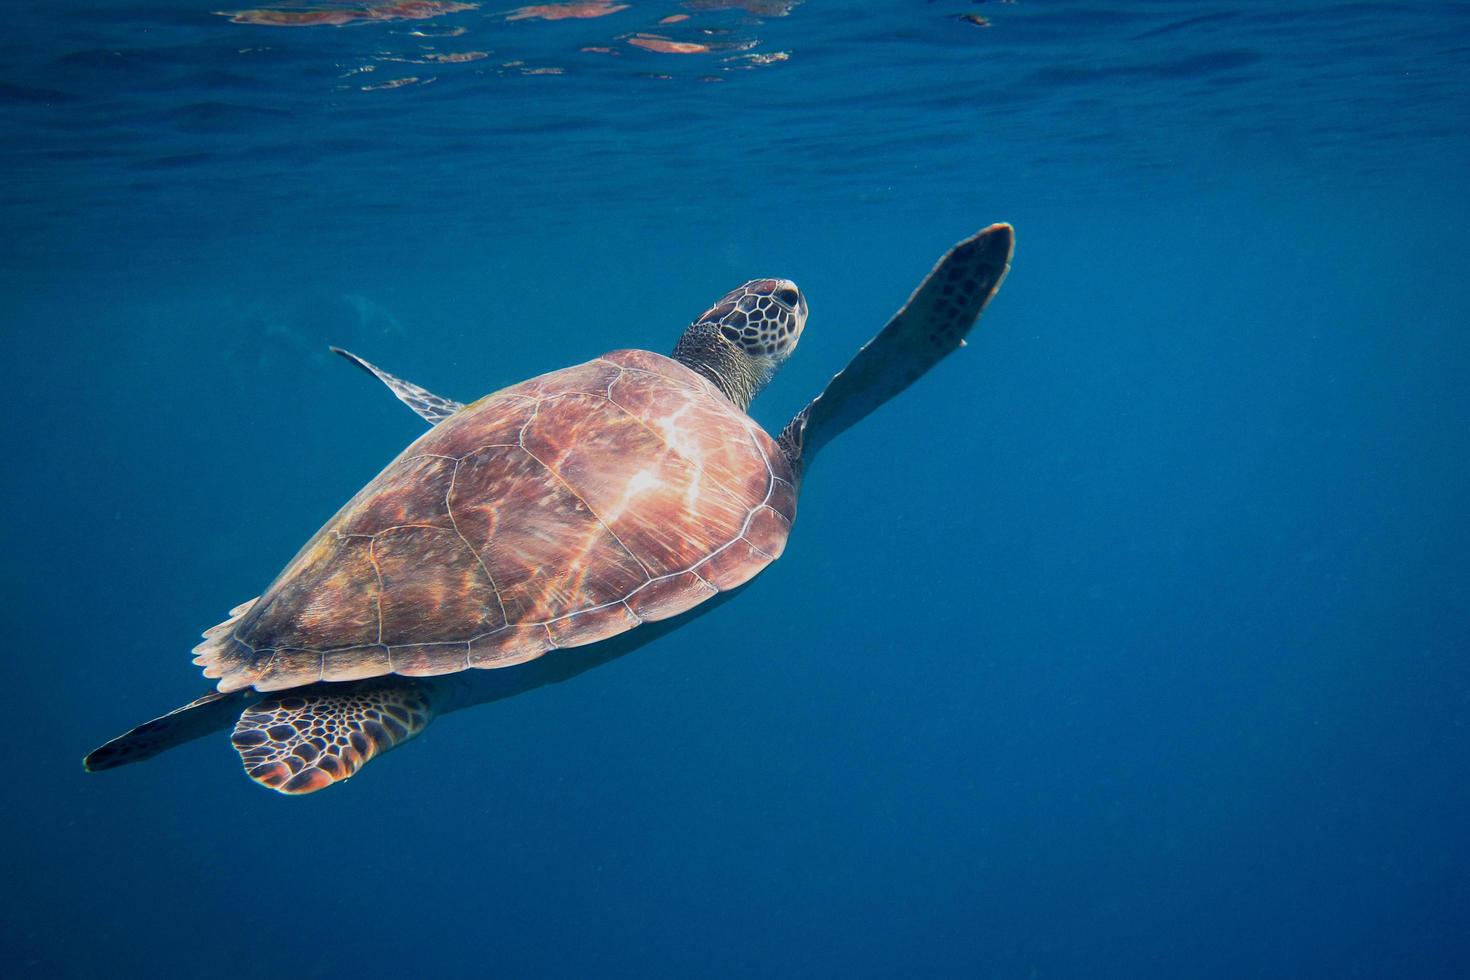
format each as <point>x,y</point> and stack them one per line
<point>305,740</point>
<point>430,407</point>
<point>931,324</point>
<point>211,713</point>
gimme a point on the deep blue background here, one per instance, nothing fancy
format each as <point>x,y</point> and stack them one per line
<point>1131,643</point>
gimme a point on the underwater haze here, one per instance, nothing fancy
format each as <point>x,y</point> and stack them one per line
<point>1133,641</point>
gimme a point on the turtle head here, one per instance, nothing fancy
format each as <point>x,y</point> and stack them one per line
<point>763,318</point>
<point>741,341</point>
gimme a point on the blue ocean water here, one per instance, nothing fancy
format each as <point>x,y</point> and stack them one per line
<point>1131,642</point>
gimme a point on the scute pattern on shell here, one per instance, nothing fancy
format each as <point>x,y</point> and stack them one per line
<point>558,512</point>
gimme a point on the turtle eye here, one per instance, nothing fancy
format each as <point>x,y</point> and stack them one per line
<point>788,296</point>
<point>730,334</point>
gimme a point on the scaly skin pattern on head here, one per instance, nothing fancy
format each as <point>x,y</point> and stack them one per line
<point>741,341</point>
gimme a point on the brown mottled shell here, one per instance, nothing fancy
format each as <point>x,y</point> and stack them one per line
<point>561,511</point>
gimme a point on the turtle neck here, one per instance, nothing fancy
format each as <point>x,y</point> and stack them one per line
<point>728,368</point>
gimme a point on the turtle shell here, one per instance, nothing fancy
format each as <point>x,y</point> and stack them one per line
<point>558,512</point>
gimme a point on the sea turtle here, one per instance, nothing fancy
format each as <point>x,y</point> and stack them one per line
<point>562,511</point>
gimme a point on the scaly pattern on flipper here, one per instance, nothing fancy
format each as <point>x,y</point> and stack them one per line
<point>198,718</point>
<point>309,739</point>
<point>431,408</point>
<point>930,326</point>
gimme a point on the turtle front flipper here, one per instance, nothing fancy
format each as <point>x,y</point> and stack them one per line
<point>930,325</point>
<point>196,719</point>
<point>304,740</point>
<point>431,408</point>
